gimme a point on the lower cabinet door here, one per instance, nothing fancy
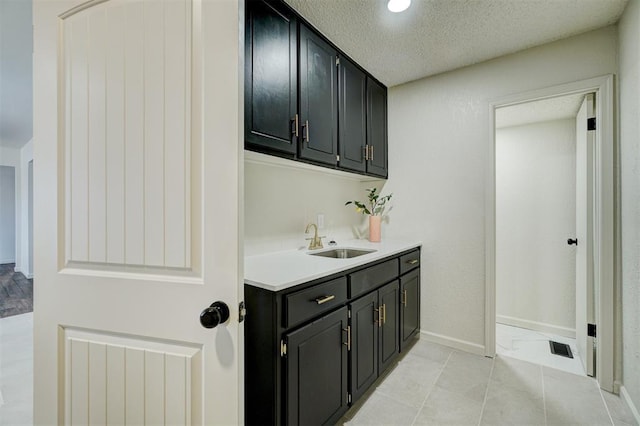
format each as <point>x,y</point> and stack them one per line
<point>316,371</point>
<point>409,306</point>
<point>389,345</point>
<point>364,346</point>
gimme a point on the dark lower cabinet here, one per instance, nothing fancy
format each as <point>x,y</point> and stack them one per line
<point>271,77</point>
<point>364,349</point>
<point>314,349</point>
<point>318,99</point>
<point>409,306</point>
<point>316,371</point>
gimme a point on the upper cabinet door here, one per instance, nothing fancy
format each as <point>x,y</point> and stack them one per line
<point>318,99</point>
<point>352,95</point>
<point>270,77</point>
<point>377,128</point>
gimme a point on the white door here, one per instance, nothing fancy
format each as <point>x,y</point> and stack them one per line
<point>137,132</point>
<point>584,233</point>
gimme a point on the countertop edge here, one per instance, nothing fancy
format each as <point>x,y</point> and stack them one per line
<point>335,269</point>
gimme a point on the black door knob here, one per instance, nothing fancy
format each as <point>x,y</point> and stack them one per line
<point>572,241</point>
<point>215,314</point>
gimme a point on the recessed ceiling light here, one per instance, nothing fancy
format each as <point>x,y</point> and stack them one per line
<point>398,5</point>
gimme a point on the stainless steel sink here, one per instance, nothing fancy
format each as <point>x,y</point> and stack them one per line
<point>342,253</point>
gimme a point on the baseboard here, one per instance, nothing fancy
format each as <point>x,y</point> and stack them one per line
<point>632,407</point>
<point>537,326</point>
<point>462,345</point>
<point>4,261</point>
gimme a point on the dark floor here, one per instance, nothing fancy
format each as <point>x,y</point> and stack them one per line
<point>16,292</point>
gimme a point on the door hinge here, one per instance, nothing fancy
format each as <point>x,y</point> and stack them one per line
<point>337,62</point>
<point>283,348</point>
<point>242,312</point>
<point>591,123</point>
<point>591,330</point>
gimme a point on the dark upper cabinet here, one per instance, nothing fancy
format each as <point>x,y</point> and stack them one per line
<point>271,85</point>
<point>318,98</point>
<point>352,95</point>
<point>316,371</point>
<point>409,306</point>
<point>377,129</point>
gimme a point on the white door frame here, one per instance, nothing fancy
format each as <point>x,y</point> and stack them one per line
<point>606,237</point>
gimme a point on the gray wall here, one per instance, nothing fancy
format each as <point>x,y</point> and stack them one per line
<point>629,83</point>
<point>7,214</point>
<point>16,66</point>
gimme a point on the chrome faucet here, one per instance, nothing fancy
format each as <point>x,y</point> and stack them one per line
<point>316,241</point>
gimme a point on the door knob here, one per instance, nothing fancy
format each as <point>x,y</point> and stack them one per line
<point>215,314</point>
<point>572,241</point>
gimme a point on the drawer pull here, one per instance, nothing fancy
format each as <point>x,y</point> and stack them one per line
<point>379,316</point>
<point>384,313</point>
<point>324,299</point>
<point>412,261</point>
<point>404,298</point>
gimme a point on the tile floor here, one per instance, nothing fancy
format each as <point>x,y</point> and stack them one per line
<point>16,370</point>
<point>533,346</point>
<point>436,385</point>
<point>16,292</point>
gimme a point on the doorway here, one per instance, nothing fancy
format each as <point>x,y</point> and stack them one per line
<point>536,218</point>
<point>604,202</point>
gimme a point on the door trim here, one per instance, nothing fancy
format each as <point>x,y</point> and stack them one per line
<point>606,235</point>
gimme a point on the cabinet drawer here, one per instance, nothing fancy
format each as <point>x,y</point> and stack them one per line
<point>307,303</point>
<point>367,279</point>
<point>409,261</point>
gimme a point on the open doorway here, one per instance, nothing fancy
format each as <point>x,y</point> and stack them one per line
<point>541,207</point>
<point>605,235</point>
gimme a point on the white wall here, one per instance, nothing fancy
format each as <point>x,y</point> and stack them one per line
<point>7,214</point>
<point>439,136</point>
<point>535,214</point>
<point>629,85</point>
<point>24,257</point>
<point>11,157</point>
<point>281,201</point>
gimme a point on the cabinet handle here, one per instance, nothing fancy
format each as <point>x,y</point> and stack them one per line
<point>379,315</point>
<point>371,152</point>
<point>404,298</point>
<point>412,261</point>
<point>324,299</point>
<point>295,125</point>
<point>384,313</point>
<point>305,134</point>
<point>348,342</point>
<point>366,153</point>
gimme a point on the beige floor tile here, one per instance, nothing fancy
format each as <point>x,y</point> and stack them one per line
<point>466,375</point>
<point>444,407</point>
<point>431,351</point>
<point>516,374</point>
<point>506,405</point>
<point>379,409</point>
<point>573,400</point>
<point>618,409</point>
<point>411,380</point>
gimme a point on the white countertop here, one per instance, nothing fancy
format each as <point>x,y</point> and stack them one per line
<point>284,269</point>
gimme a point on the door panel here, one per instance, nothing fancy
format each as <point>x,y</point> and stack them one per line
<point>389,334</point>
<point>316,372</point>
<point>377,128</point>
<point>318,98</point>
<point>364,348</point>
<point>126,208</point>
<point>585,305</point>
<point>271,77</point>
<point>353,115</point>
<point>409,306</point>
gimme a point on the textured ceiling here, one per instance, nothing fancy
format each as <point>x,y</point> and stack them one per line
<point>434,36</point>
<point>536,111</point>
